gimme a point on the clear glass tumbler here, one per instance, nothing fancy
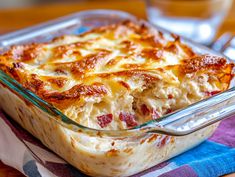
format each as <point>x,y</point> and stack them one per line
<point>194,19</point>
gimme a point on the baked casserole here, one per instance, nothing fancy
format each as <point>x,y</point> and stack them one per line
<point>111,78</point>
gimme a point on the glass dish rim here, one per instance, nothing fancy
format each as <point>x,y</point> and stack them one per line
<point>74,126</point>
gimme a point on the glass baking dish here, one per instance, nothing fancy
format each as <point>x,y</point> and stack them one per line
<point>107,152</point>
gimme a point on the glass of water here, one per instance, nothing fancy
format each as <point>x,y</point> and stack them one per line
<point>195,19</point>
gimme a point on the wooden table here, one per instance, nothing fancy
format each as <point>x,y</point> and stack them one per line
<point>13,19</point>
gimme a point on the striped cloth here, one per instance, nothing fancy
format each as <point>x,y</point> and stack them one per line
<point>214,157</point>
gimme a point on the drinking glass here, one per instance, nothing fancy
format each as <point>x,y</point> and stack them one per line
<point>194,19</point>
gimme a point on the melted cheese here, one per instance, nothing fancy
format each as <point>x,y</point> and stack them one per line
<point>118,76</point>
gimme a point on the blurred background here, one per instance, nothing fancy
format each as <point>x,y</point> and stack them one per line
<point>203,21</point>
<point>22,3</point>
<point>161,12</point>
<point>155,10</point>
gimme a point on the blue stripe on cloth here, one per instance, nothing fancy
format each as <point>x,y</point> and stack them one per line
<point>209,159</point>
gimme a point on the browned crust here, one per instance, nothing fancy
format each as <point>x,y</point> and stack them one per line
<point>128,46</point>
<point>137,73</point>
<point>96,89</point>
<point>154,54</point>
<point>171,47</point>
<point>58,82</point>
<point>34,84</point>
<point>204,62</point>
<point>83,67</point>
<point>124,84</point>
<point>66,50</point>
<point>24,52</point>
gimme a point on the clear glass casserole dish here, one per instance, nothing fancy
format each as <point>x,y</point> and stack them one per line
<point>107,152</point>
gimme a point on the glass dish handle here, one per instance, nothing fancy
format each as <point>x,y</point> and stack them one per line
<point>196,116</point>
<point>226,45</point>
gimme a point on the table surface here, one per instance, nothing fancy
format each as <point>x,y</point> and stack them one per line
<point>13,19</point>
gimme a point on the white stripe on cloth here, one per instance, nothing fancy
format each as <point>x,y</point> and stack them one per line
<point>159,172</point>
<point>43,154</point>
<point>44,172</point>
<point>12,150</point>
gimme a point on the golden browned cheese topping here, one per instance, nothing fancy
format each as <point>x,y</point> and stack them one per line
<point>117,76</point>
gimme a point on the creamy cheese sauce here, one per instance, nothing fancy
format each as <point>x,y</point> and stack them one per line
<point>116,77</point>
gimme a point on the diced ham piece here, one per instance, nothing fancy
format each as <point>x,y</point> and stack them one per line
<point>144,109</point>
<point>212,92</point>
<point>128,118</point>
<point>104,120</point>
<point>170,96</point>
<point>169,111</point>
